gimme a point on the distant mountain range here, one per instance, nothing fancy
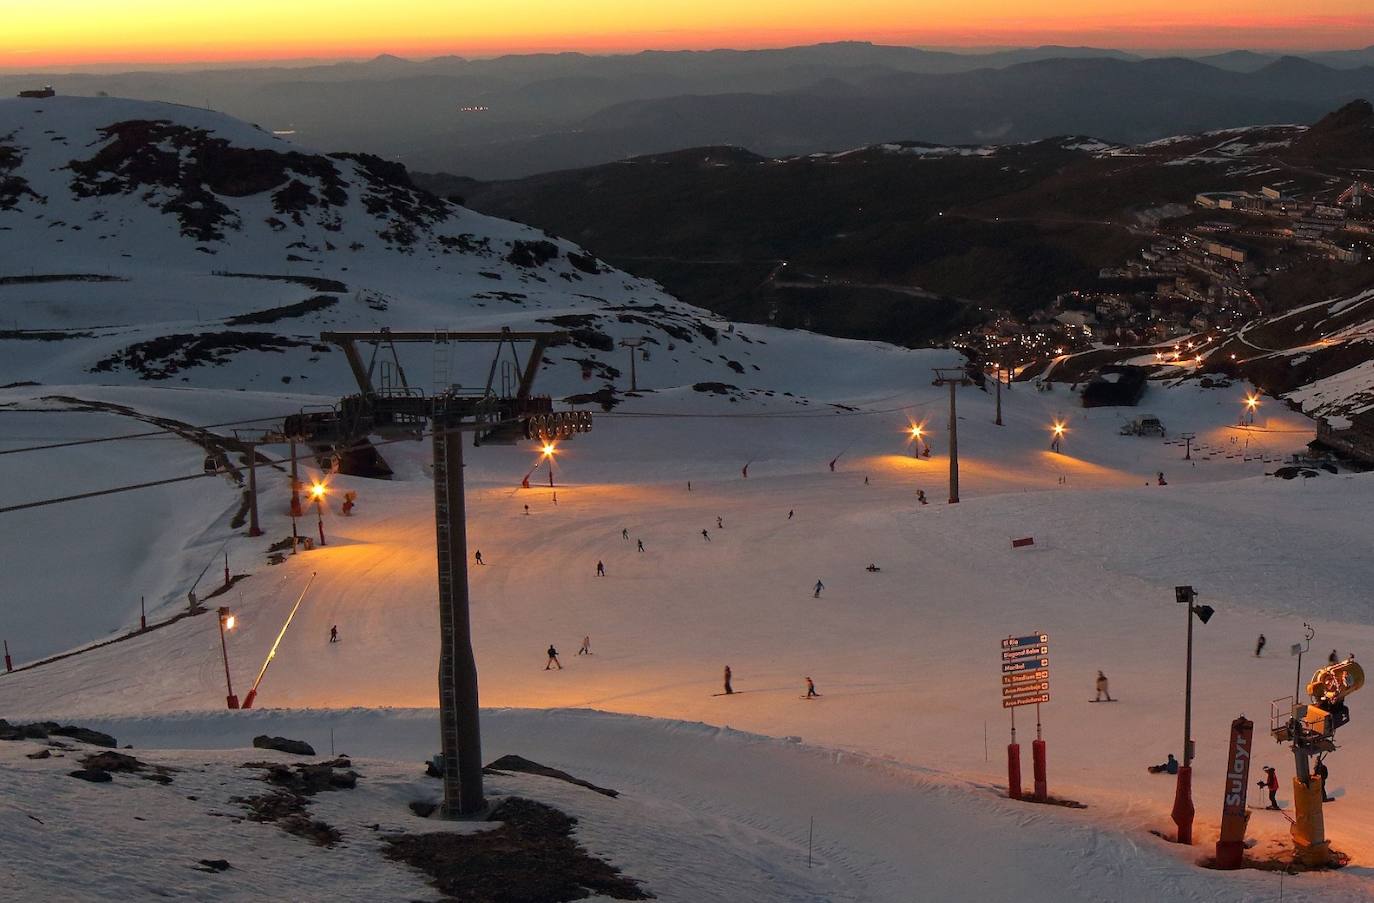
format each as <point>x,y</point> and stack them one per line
<point>519,115</point>
<point>909,242</point>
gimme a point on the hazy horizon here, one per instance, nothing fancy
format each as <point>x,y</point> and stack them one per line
<point>208,64</point>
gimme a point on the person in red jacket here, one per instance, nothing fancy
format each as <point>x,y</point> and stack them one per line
<point>1270,783</point>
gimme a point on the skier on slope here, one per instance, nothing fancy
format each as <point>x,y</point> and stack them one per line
<point>790,512</point>
<point>729,690</point>
<point>600,569</point>
<point>334,634</point>
<point>1270,783</point>
<point>921,496</point>
<point>478,555</point>
<point>1332,658</point>
<point>586,648</point>
<point>811,688</point>
<point>720,524</point>
<point>706,536</point>
<point>553,659</point>
<point>625,533</point>
<point>1102,688</point>
<point>1259,645</point>
<point>819,586</point>
<point>641,544</point>
<point>1159,479</point>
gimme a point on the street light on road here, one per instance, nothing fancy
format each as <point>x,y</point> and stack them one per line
<point>227,621</point>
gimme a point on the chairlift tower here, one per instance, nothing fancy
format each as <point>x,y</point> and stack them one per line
<point>490,417</point>
<point>953,377</point>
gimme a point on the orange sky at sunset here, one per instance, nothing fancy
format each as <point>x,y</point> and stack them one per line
<point>82,32</point>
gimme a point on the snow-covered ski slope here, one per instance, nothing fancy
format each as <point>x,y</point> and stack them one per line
<point>901,759</point>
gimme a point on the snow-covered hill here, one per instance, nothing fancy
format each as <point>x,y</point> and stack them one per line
<point>143,241</point>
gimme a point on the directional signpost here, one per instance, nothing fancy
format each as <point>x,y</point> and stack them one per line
<point>1026,681</point>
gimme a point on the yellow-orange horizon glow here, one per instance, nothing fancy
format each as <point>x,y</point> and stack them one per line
<point>88,32</point>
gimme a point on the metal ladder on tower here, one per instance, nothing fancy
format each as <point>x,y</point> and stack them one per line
<point>448,726</point>
<point>441,360</point>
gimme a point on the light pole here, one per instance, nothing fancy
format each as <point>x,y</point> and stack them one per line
<point>317,493</point>
<point>227,621</point>
<point>549,450</point>
<point>1183,792</point>
<point>920,446</point>
<point>1251,403</point>
<point>1057,437</point>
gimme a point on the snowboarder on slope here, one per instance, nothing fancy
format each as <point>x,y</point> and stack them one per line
<point>729,690</point>
<point>478,556</point>
<point>873,568</point>
<point>811,688</point>
<point>706,536</point>
<point>641,544</point>
<point>1169,765</point>
<point>720,524</point>
<point>819,586</point>
<point>1332,658</point>
<point>790,512</point>
<point>334,634</point>
<point>1270,783</point>
<point>921,496</point>
<point>1259,645</point>
<point>527,510</point>
<point>625,533</point>
<point>553,659</point>
<point>1102,688</point>
<point>1159,479</point>
<point>586,648</point>
<point>600,569</point>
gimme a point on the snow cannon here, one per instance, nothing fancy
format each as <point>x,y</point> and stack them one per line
<point>1310,729</point>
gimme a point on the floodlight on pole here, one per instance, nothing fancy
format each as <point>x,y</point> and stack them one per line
<point>227,621</point>
<point>1252,402</point>
<point>1183,792</point>
<point>1056,435</point>
<point>317,491</point>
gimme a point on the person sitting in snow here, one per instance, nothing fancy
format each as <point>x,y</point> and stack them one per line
<point>1169,765</point>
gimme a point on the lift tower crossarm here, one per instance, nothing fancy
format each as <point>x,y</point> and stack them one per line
<point>348,341</point>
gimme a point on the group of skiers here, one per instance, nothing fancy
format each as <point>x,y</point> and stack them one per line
<point>553,662</point>
<point>729,689</point>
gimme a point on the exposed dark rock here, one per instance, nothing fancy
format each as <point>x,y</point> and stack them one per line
<point>214,865</point>
<point>94,775</point>
<point>272,315</point>
<point>530,857</point>
<point>525,766</point>
<point>163,357</point>
<point>531,254</point>
<point>282,744</point>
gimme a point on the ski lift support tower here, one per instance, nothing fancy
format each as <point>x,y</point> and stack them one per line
<point>490,417</point>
